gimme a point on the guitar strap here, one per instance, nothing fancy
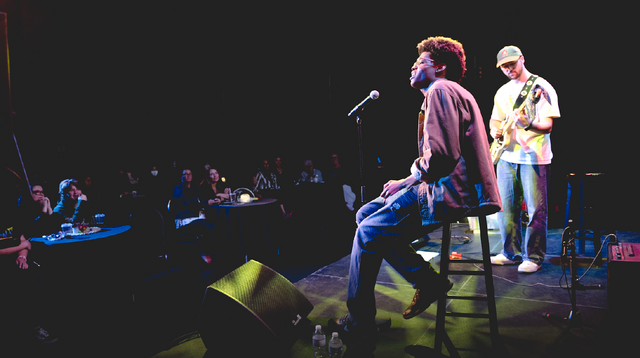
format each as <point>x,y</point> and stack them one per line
<point>525,91</point>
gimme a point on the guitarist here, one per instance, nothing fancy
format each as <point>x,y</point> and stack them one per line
<point>522,168</point>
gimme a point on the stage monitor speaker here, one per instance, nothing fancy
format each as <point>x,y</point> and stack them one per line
<point>623,270</point>
<point>252,311</point>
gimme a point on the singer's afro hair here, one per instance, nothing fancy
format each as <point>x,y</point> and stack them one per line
<point>448,51</point>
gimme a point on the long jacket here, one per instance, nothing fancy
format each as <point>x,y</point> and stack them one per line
<point>454,165</point>
<point>68,210</point>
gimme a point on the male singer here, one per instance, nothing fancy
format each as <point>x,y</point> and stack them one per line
<point>452,177</point>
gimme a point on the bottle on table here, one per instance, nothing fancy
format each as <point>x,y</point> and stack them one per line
<point>335,346</point>
<point>319,343</point>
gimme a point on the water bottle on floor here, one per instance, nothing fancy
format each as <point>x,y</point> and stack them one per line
<point>319,343</point>
<point>335,346</point>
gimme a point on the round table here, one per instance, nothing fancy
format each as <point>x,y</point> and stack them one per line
<point>85,273</point>
<point>258,202</point>
<point>249,228</point>
<point>88,252</point>
<point>105,232</point>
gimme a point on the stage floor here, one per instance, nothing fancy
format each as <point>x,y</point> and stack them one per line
<point>521,300</point>
<point>101,319</point>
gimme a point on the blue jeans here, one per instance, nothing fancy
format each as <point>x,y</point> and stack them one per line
<point>515,183</point>
<point>385,231</point>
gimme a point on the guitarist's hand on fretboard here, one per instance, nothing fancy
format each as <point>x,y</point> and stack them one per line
<point>521,119</point>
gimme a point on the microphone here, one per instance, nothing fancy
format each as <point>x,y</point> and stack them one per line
<point>372,96</point>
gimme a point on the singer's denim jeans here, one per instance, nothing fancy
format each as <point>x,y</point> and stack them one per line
<point>385,231</point>
<point>515,183</point>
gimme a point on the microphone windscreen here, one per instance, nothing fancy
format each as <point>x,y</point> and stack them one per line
<point>374,94</point>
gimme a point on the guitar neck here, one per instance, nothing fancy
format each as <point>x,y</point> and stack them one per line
<point>510,118</point>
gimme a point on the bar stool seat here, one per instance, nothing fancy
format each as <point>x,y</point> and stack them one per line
<point>445,263</point>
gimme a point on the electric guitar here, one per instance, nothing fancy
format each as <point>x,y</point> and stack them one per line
<point>500,144</point>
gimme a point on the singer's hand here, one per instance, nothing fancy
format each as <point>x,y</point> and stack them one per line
<point>391,187</point>
<point>394,186</point>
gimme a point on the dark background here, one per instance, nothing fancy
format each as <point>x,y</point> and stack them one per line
<point>100,86</point>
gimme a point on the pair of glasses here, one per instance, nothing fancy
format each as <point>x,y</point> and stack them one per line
<point>38,192</point>
<point>424,61</point>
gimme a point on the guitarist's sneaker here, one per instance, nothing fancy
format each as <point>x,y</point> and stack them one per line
<point>500,259</point>
<point>529,267</point>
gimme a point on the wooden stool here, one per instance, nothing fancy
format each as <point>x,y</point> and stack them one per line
<point>487,272</point>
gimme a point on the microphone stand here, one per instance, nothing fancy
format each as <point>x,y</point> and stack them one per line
<point>362,187</point>
<point>574,318</point>
<point>360,107</point>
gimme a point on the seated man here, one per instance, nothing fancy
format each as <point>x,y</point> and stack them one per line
<point>452,177</point>
<point>310,174</point>
<point>265,182</point>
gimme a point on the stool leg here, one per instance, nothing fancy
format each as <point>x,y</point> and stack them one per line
<point>441,335</point>
<point>488,278</point>
<point>442,301</point>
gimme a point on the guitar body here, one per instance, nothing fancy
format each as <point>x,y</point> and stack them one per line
<point>497,147</point>
<point>500,144</point>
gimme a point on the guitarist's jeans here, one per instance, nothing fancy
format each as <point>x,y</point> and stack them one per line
<point>515,183</point>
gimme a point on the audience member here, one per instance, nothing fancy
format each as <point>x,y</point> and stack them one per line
<point>153,184</point>
<point>265,181</point>
<point>37,194</point>
<point>310,174</point>
<point>121,185</point>
<point>93,187</point>
<point>19,251</point>
<point>133,179</point>
<point>73,205</point>
<point>187,208</point>
<point>85,184</point>
<point>185,201</point>
<point>20,286</point>
<point>286,182</point>
<point>36,213</point>
<point>342,180</point>
<point>284,178</point>
<point>336,173</point>
<point>266,185</point>
<point>212,189</point>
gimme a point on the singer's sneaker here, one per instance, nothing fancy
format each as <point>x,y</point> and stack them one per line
<point>529,267</point>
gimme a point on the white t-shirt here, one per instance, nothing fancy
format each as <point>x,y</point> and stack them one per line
<point>526,147</point>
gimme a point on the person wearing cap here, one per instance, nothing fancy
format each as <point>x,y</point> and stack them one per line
<point>523,167</point>
<point>452,177</point>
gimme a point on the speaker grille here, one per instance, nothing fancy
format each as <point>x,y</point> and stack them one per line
<point>272,301</point>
